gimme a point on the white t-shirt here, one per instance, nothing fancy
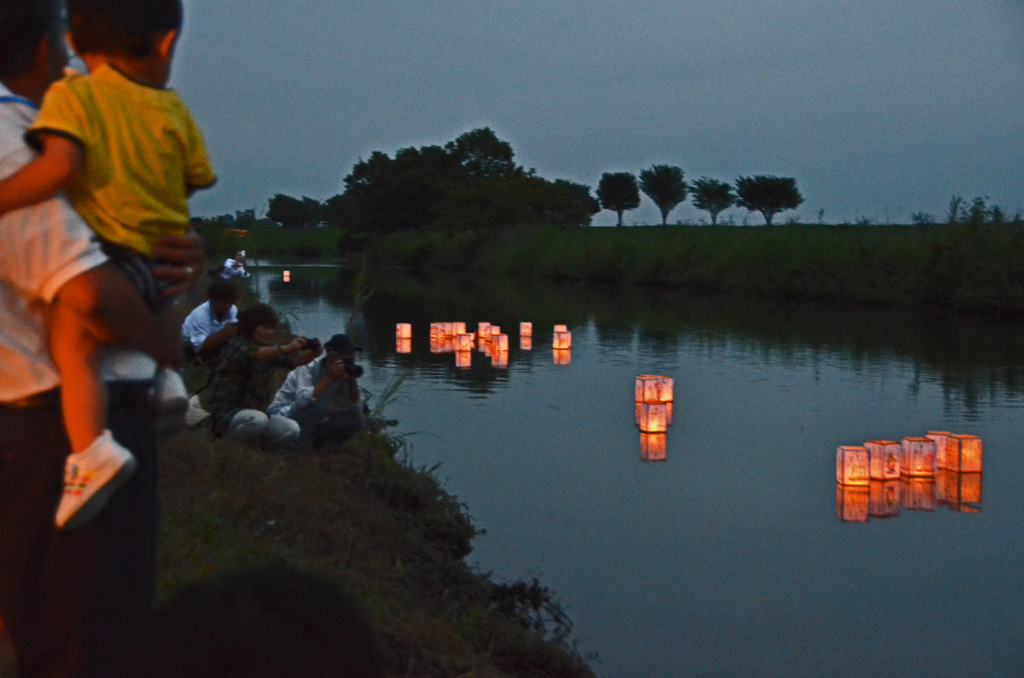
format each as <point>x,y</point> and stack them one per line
<point>200,323</point>
<point>41,248</point>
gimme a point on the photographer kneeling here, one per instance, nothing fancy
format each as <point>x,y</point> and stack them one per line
<point>323,396</point>
<point>239,390</point>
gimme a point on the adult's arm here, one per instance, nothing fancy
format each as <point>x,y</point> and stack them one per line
<point>218,337</point>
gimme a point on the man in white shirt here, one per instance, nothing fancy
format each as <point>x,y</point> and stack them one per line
<point>208,327</point>
<point>71,599</point>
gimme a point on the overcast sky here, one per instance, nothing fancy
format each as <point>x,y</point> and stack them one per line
<point>877,107</point>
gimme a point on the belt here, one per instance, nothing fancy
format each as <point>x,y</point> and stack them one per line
<point>49,398</point>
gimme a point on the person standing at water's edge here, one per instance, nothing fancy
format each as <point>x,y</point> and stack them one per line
<point>71,600</point>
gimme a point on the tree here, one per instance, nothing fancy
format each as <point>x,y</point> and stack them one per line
<point>293,213</point>
<point>618,192</point>
<point>712,196</point>
<point>767,195</point>
<point>586,203</point>
<point>664,185</point>
<point>482,155</point>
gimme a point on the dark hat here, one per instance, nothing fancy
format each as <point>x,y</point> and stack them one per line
<point>340,343</point>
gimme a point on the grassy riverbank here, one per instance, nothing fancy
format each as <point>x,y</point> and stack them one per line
<point>951,267</point>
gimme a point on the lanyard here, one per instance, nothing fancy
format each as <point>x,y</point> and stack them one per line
<point>13,99</point>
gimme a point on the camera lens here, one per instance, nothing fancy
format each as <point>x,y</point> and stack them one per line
<point>353,369</point>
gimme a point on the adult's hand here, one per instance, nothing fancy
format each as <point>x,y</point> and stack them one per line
<point>182,260</point>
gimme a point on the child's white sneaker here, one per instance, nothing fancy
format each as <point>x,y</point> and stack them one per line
<point>169,394</point>
<point>90,478</point>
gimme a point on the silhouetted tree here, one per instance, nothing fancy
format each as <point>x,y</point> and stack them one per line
<point>505,201</point>
<point>712,196</point>
<point>664,185</point>
<point>767,195</point>
<point>587,203</point>
<point>482,155</point>
<point>618,192</point>
<point>292,212</point>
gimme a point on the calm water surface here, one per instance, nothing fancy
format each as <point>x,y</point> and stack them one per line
<point>727,558</point>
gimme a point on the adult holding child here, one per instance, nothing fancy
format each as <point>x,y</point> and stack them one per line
<point>72,600</point>
<point>242,383</point>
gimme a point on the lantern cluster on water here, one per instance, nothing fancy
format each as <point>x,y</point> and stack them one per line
<point>918,473</point>
<point>653,404</point>
<point>452,337</point>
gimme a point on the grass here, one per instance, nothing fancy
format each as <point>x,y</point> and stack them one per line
<point>956,267</point>
<point>263,241</point>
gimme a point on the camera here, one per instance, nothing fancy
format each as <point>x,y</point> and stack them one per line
<point>312,343</point>
<point>354,370</point>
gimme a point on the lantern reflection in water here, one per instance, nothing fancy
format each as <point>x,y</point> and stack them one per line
<point>885,498</point>
<point>499,358</point>
<point>940,438</point>
<point>464,342</point>
<point>463,359</point>
<point>653,417</point>
<point>852,467</point>
<point>562,357</point>
<point>852,503</point>
<point>403,331</point>
<point>525,329</point>
<point>961,491</point>
<point>884,457</point>
<point>918,457</point>
<point>918,494</point>
<point>963,453</point>
<point>652,447</point>
<point>525,343</point>
<point>403,345</point>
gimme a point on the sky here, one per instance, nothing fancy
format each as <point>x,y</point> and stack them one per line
<point>877,108</point>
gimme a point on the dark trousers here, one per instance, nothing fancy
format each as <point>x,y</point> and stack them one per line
<point>339,426</point>
<point>74,600</point>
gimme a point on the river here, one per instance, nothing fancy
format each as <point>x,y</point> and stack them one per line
<point>736,555</point>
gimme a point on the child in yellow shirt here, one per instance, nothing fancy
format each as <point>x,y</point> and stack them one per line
<point>128,154</point>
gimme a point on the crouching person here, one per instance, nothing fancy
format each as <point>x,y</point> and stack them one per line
<point>323,396</point>
<point>240,387</point>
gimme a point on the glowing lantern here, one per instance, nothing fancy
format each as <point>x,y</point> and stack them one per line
<point>464,342</point>
<point>653,417</point>
<point>287,276</point>
<point>483,330</point>
<point>447,344</point>
<point>852,467</point>
<point>652,446</point>
<point>462,359</point>
<point>963,453</point>
<point>499,343</point>
<point>561,328</point>
<point>435,347</point>
<point>403,331</point>
<point>434,330</point>
<point>651,388</point>
<point>526,343</point>
<point>885,498</point>
<point>403,345</point>
<point>940,438</point>
<point>484,347</point>
<point>562,340</point>
<point>884,457</point>
<point>525,329</point>
<point>852,503</point>
<point>495,330</point>
<point>562,356</point>
<point>918,494</point>
<point>918,458</point>
<point>458,328</point>
<point>499,358</point>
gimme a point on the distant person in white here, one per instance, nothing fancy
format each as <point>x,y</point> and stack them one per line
<point>208,327</point>
<point>234,268</point>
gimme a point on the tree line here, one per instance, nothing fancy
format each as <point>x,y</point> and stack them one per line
<point>474,182</point>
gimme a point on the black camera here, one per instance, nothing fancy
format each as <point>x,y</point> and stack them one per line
<point>312,344</point>
<point>354,370</point>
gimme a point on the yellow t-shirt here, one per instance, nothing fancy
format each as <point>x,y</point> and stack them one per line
<point>142,154</point>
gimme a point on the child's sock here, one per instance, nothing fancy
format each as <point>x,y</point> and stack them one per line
<point>90,478</point>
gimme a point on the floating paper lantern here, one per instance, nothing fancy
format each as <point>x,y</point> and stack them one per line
<point>403,345</point>
<point>884,457</point>
<point>918,457</point>
<point>525,329</point>
<point>495,330</point>
<point>499,343</point>
<point>963,453</point>
<point>561,328</point>
<point>525,343</point>
<point>653,417</point>
<point>940,438</point>
<point>852,467</point>
<point>651,388</point>
<point>447,344</point>
<point>287,276</point>
<point>852,503</point>
<point>403,331</point>
<point>562,356</point>
<point>483,330</point>
<point>562,340</point>
<point>918,494</point>
<point>464,342</point>
<point>433,330</point>
<point>463,359</point>
<point>885,498</point>
<point>499,358</point>
<point>458,328</point>
<point>652,447</point>
<point>435,345</point>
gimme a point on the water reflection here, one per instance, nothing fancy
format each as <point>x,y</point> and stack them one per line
<point>561,356</point>
<point>652,447</point>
